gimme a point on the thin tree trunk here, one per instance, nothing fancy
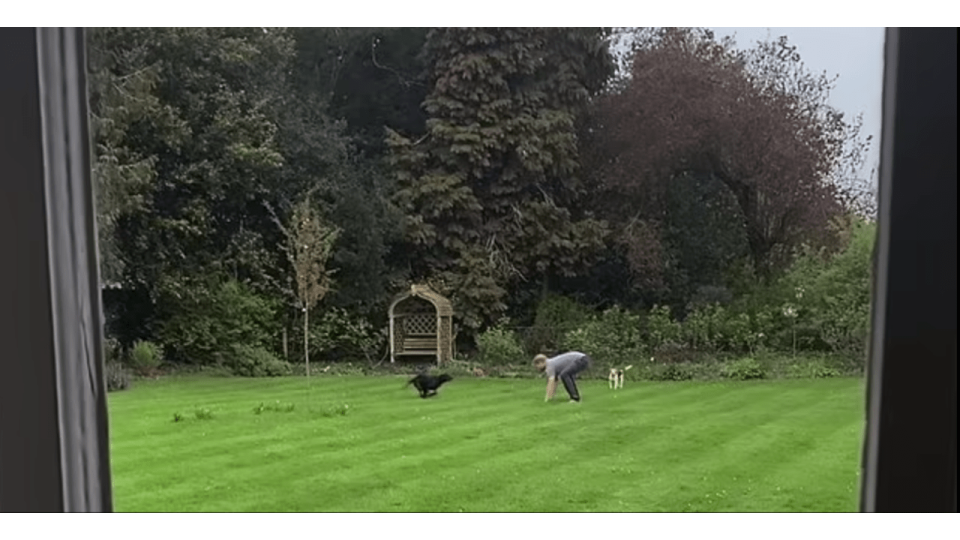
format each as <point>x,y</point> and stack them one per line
<point>286,350</point>
<point>306,340</point>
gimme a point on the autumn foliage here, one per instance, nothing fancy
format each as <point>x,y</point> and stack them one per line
<point>755,120</point>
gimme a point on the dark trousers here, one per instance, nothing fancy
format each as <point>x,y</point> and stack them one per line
<point>568,376</point>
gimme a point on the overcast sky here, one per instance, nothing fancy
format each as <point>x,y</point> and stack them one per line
<point>853,54</point>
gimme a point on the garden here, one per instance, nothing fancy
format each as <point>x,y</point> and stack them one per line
<point>264,193</point>
<point>717,414</point>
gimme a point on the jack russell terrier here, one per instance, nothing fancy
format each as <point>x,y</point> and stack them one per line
<point>615,379</point>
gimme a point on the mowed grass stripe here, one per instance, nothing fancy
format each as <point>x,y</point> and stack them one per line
<point>736,478</point>
<point>247,446</point>
<point>429,444</point>
<point>482,445</point>
<point>426,448</point>
<point>790,406</point>
<point>424,460</point>
<point>825,478</point>
<point>803,443</point>
<point>213,392</point>
<point>550,462</point>
<point>688,453</point>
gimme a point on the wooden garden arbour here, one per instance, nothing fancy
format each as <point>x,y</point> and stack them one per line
<point>421,324</point>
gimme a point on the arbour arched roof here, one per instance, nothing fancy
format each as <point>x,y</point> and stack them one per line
<point>443,306</point>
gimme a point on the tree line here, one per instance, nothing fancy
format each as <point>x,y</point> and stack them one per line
<point>633,167</point>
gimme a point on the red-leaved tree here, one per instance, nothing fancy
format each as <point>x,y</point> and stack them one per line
<point>757,120</point>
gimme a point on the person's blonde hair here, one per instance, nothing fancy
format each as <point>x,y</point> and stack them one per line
<point>540,361</point>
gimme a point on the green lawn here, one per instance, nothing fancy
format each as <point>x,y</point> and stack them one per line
<point>486,445</point>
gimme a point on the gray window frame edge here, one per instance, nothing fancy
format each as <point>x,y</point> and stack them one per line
<point>909,454</point>
<point>74,474</point>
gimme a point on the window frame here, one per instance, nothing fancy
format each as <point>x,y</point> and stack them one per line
<point>54,443</point>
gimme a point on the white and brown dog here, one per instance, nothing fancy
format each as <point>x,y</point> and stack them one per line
<point>615,379</point>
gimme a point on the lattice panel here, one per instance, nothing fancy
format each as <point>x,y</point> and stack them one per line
<point>420,324</point>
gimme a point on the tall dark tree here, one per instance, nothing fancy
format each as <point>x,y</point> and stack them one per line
<point>185,140</point>
<point>490,190</point>
<point>123,99</point>
<point>338,101</point>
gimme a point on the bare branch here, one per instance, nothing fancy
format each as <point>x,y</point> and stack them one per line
<point>374,41</point>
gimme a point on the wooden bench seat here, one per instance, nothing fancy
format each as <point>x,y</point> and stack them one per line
<point>419,342</point>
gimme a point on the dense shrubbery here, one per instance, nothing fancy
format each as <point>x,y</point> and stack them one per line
<point>611,338</point>
<point>145,357</point>
<point>253,361</point>
<point>555,316</point>
<point>744,369</point>
<point>820,306</point>
<point>816,368</point>
<point>117,377</point>
<point>834,293</point>
<point>207,321</point>
<point>338,335</point>
<point>500,346</point>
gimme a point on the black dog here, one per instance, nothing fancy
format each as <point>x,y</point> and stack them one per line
<point>427,385</point>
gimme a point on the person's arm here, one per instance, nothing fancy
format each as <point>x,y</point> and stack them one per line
<point>551,387</point>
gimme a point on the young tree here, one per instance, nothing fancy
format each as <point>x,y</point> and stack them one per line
<point>309,242</point>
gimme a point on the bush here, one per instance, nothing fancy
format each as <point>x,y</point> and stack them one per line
<point>112,351</point>
<point>828,294</point>
<point>556,315</point>
<point>338,335</point>
<point>743,370</point>
<point>734,333</point>
<point>146,357</point>
<point>671,352</point>
<point>499,346</point>
<point>840,305</point>
<point>117,377</point>
<point>461,367</point>
<point>203,321</point>
<point>661,328</point>
<point>814,369</point>
<point>612,339</point>
<point>699,327</point>
<point>255,361</point>
<point>670,372</point>
<point>712,327</point>
<point>680,371</point>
